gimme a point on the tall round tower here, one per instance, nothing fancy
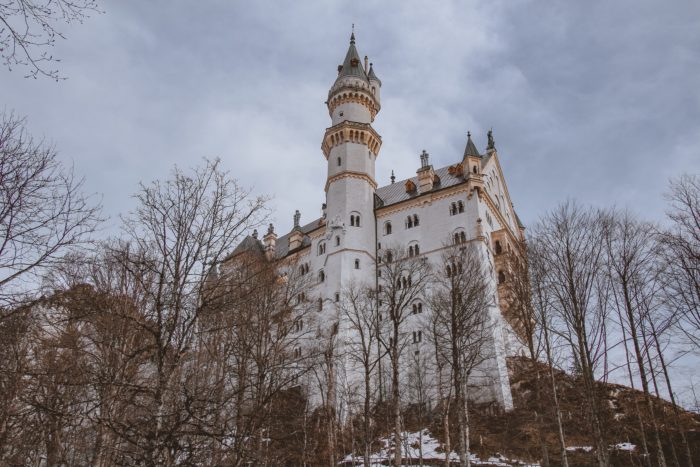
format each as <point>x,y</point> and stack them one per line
<point>351,146</point>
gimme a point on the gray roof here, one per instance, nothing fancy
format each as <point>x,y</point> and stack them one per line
<point>470,149</point>
<point>282,246</point>
<point>396,192</point>
<point>250,244</point>
<point>347,68</point>
<point>373,76</point>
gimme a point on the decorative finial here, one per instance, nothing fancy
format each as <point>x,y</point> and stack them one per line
<point>255,234</point>
<point>297,217</point>
<point>393,178</point>
<point>352,36</point>
<point>469,134</point>
<point>491,143</point>
<point>270,229</point>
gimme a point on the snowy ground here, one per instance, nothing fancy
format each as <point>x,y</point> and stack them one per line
<point>431,452</point>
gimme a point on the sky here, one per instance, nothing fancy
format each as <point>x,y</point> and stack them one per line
<point>596,101</point>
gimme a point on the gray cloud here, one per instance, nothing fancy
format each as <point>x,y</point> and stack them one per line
<point>592,100</point>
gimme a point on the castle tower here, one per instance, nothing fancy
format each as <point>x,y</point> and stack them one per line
<point>351,147</point>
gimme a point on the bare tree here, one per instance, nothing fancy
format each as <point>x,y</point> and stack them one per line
<point>43,214</point>
<point>543,311</point>
<point>29,29</point>
<point>571,245</point>
<point>517,301</point>
<point>682,249</point>
<point>461,301</point>
<point>632,270</point>
<point>179,229</point>
<point>402,281</point>
<point>358,305</point>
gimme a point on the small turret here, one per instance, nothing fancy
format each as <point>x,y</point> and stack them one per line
<point>270,242</point>
<point>297,236</point>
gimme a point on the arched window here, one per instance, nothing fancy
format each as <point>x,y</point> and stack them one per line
<point>409,222</point>
<point>387,228</point>
<point>453,209</point>
<point>474,170</point>
<point>462,237</point>
<point>357,220</point>
<point>460,206</point>
<point>321,276</point>
<point>501,277</point>
<point>352,221</point>
<point>415,220</point>
<point>357,264</point>
<point>337,241</point>
<point>321,248</point>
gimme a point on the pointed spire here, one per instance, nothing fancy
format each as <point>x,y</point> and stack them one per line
<point>372,76</point>
<point>393,178</point>
<point>470,149</point>
<point>352,65</point>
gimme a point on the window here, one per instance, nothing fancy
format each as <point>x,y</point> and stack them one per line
<point>417,336</point>
<point>415,220</point>
<point>337,297</point>
<point>501,277</point>
<point>339,162</point>
<point>412,221</point>
<point>299,325</point>
<point>354,220</point>
<point>460,206</point>
<point>417,308</point>
<point>297,352</point>
<point>379,246</point>
<point>304,269</point>
<point>387,228</point>
<point>459,237</point>
<point>337,241</point>
<point>498,248</point>
<point>357,264</point>
<point>320,304</point>
<point>321,248</point>
<point>321,276</point>
<point>389,257</point>
<point>413,250</point>
<point>334,331</point>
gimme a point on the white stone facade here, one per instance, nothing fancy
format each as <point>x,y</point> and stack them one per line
<point>469,200</point>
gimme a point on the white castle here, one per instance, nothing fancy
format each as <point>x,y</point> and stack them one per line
<point>467,201</point>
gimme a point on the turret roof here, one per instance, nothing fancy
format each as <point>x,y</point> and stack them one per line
<point>372,76</point>
<point>352,65</point>
<point>470,149</point>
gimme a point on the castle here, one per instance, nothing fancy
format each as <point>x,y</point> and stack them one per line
<point>465,202</point>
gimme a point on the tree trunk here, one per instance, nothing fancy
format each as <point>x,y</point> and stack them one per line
<point>555,397</point>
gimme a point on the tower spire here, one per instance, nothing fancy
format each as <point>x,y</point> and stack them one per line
<point>352,35</point>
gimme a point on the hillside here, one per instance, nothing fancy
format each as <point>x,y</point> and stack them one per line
<point>515,435</point>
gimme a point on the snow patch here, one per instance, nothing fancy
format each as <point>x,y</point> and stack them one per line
<point>579,448</point>
<point>432,451</point>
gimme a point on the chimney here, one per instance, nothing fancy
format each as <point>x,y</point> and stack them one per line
<point>366,63</point>
<point>426,174</point>
<point>270,241</point>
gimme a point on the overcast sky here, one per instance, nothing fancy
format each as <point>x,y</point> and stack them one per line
<point>598,101</point>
